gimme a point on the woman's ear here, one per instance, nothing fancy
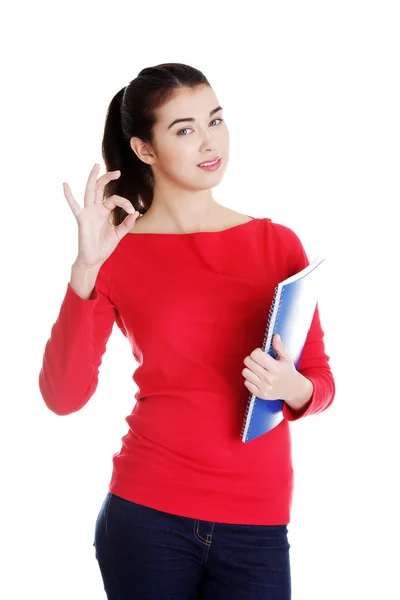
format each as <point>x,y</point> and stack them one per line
<point>142,150</point>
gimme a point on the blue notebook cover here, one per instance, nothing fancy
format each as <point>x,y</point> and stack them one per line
<point>290,315</point>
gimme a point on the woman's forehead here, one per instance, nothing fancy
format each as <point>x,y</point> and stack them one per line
<point>189,103</point>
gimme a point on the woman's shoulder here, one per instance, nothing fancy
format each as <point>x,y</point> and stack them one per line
<point>284,233</point>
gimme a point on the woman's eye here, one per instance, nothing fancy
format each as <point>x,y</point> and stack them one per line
<point>187,128</point>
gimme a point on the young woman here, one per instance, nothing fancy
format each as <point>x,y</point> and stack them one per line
<point>191,511</point>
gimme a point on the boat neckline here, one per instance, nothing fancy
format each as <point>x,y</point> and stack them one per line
<point>195,233</point>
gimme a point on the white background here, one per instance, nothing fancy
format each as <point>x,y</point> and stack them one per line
<point>310,95</point>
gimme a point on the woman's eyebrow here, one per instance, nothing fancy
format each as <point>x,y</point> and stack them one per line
<point>191,119</point>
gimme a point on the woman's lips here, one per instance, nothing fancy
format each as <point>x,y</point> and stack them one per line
<point>211,167</point>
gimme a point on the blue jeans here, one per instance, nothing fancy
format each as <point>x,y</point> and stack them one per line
<point>146,554</point>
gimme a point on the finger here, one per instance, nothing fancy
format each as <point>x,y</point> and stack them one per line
<point>254,389</point>
<point>250,376</point>
<point>90,189</point>
<point>116,200</point>
<point>102,182</point>
<point>255,368</point>
<point>263,359</point>
<point>75,207</point>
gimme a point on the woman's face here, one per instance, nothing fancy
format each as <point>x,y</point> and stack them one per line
<point>178,148</point>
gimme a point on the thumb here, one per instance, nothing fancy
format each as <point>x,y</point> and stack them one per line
<point>126,225</point>
<point>280,348</point>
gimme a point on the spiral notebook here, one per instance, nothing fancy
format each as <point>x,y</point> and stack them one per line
<point>291,314</point>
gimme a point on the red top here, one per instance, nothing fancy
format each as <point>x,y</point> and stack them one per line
<point>192,306</point>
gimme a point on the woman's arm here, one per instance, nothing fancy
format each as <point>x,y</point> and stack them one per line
<point>314,364</point>
<point>73,353</point>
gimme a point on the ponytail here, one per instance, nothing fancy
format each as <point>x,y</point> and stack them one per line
<point>135,182</point>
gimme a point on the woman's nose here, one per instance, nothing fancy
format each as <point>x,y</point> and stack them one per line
<point>209,142</point>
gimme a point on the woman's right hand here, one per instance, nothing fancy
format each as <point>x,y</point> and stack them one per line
<point>97,236</point>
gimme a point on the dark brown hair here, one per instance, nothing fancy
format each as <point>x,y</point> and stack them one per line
<point>132,113</point>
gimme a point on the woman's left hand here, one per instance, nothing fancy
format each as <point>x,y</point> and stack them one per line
<point>272,378</point>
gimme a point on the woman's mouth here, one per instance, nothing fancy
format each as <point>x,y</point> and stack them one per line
<point>211,165</point>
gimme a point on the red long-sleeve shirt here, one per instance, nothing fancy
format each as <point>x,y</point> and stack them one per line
<point>193,306</point>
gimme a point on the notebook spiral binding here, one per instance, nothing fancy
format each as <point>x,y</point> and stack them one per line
<point>271,309</point>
